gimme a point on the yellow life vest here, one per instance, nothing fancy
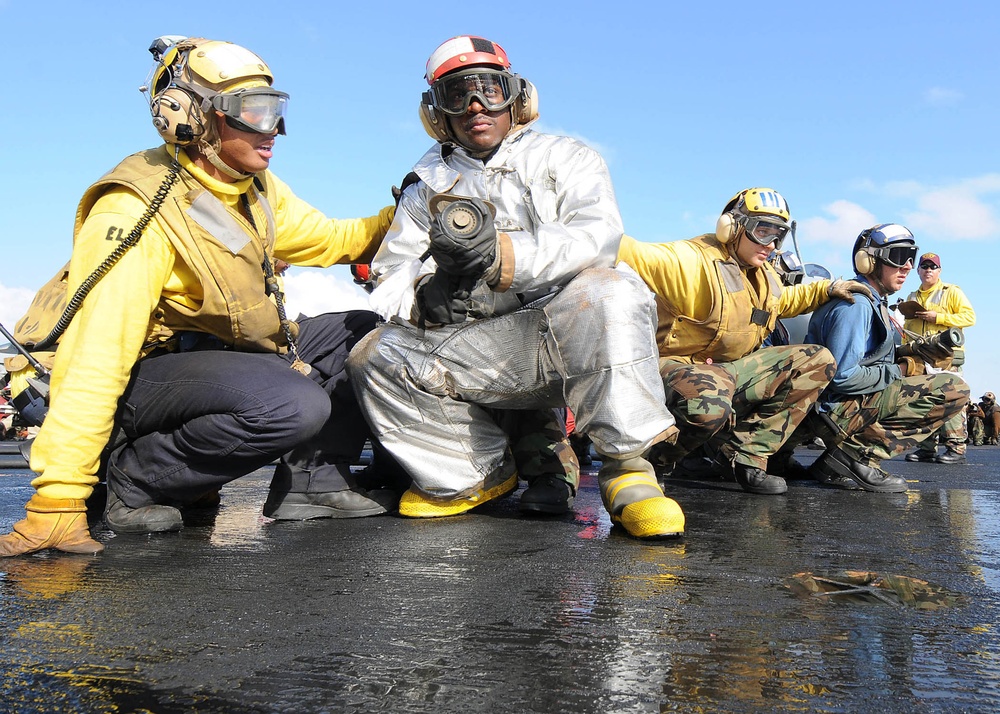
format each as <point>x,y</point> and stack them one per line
<point>221,250</point>
<point>743,310</point>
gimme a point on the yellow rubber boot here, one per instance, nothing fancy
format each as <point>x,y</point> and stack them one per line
<point>636,502</point>
<point>415,504</point>
<point>51,523</point>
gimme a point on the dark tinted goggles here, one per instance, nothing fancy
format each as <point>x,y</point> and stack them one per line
<point>896,255</point>
<point>493,90</point>
<point>259,109</point>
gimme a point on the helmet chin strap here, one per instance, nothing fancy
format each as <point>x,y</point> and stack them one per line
<point>734,253</point>
<point>883,290</point>
<point>217,162</point>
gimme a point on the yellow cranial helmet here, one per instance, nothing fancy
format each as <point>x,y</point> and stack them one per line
<point>762,213</point>
<point>193,76</point>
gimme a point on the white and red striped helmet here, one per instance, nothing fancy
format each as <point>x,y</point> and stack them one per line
<point>465,51</point>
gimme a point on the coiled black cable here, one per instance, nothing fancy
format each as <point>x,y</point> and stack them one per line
<point>130,240</point>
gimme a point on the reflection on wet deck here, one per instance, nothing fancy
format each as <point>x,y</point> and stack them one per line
<point>495,612</point>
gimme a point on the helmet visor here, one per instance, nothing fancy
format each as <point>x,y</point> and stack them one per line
<point>258,109</point>
<point>896,255</point>
<point>766,230</point>
<point>494,91</point>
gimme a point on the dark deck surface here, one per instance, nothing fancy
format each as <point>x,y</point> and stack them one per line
<point>494,612</point>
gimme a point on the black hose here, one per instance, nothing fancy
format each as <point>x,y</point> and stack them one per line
<point>130,240</point>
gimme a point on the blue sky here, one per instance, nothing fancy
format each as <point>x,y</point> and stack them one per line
<point>857,112</point>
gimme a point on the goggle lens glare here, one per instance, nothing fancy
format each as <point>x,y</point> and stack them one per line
<point>493,90</point>
<point>257,110</point>
<point>765,232</point>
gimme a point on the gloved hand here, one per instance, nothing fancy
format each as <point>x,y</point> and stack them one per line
<point>909,367</point>
<point>51,523</point>
<point>472,255</point>
<point>441,299</point>
<point>843,288</point>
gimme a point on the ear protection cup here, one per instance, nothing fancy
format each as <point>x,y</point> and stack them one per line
<point>434,123</point>
<point>864,262</point>
<point>725,227</point>
<point>526,106</point>
<point>177,116</point>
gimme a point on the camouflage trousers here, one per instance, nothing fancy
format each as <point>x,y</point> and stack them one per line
<point>746,408</point>
<point>539,444</point>
<point>899,418</point>
<point>953,433</point>
<point>977,430</point>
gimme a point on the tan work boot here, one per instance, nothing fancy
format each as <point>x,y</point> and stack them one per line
<point>51,523</point>
<point>635,501</point>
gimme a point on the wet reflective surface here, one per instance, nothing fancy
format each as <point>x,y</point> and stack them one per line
<point>496,612</point>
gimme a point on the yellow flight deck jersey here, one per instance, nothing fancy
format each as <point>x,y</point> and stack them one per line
<point>709,309</point>
<point>196,267</point>
<point>953,310</point>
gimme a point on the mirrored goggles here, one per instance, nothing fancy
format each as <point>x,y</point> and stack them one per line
<point>896,255</point>
<point>493,90</point>
<point>258,109</point>
<point>765,231</point>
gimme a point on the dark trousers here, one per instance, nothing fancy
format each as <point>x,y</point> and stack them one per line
<point>196,420</point>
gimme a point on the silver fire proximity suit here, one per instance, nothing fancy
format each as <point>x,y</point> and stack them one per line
<point>571,330</point>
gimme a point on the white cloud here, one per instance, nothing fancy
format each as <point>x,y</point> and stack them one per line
<point>846,220</point>
<point>943,96</point>
<point>13,304</point>
<point>313,292</point>
<point>962,210</point>
<point>953,213</point>
<point>828,240</point>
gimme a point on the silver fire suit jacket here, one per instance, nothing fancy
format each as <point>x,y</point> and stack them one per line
<point>553,197</point>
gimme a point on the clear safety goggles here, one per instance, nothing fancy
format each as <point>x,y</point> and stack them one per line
<point>493,90</point>
<point>765,231</point>
<point>257,109</point>
<point>896,255</point>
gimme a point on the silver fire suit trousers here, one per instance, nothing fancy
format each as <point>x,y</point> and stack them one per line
<point>590,347</point>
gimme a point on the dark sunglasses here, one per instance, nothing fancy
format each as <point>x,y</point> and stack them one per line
<point>928,266</point>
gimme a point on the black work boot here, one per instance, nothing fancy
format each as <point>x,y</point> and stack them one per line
<point>922,455</point>
<point>751,479</point>
<point>145,519</point>
<point>832,480</point>
<point>785,465</point>
<point>754,480</point>
<point>122,518</point>
<point>547,494</point>
<point>294,496</point>
<point>950,456</point>
<point>836,462</point>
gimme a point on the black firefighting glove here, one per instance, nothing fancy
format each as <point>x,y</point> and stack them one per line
<point>442,299</point>
<point>470,255</point>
